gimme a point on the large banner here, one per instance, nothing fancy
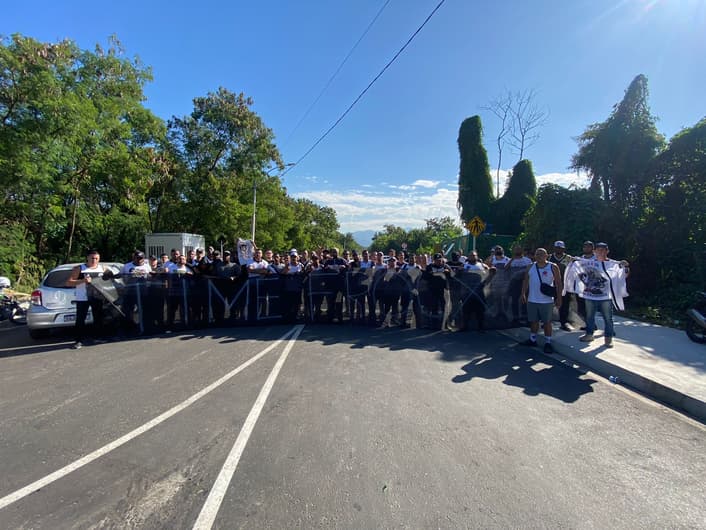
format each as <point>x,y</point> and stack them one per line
<point>454,300</point>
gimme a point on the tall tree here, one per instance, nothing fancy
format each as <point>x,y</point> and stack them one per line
<point>519,196</point>
<point>675,208</point>
<point>501,107</point>
<point>475,187</point>
<point>75,142</point>
<point>617,152</point>
<point>223,151</point>
<point>527,118</point>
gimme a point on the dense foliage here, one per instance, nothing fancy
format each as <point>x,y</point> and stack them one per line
<point>647,200</point>
<point>508,211</point>
<point>475,187</point>
<point>418,240</point>
<point>83,163</point>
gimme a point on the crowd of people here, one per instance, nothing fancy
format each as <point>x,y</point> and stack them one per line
<point>204,287</point>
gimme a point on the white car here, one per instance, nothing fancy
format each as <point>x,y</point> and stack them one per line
<point>52,304</point>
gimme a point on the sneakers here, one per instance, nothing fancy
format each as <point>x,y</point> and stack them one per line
<point>566,327</point>
<point>529,342</point>
<point>588,337</point>
<point>77,345</point>
<point>608,342</point>
<point>548,348</point>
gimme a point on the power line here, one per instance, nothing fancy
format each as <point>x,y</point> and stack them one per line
<point>350,107</point>
<point>328,84</point>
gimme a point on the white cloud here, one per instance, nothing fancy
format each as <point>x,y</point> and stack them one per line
<point>407,206</point>
<point>426,183</point>
<point>562,179</point>
<point>361,210</point>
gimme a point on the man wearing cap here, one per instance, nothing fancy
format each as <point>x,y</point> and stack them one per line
<point>135,275</point>
<point>601,283</point>
<point>562,260</point>
<point>436,274</point>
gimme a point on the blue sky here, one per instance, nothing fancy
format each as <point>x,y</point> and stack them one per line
<point>394,159</point>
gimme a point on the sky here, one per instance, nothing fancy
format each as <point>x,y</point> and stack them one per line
<point>394,158</point>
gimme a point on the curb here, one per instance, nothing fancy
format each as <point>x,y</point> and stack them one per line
<point>674,398</point>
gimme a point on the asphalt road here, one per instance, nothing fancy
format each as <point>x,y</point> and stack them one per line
<point>341,428</point>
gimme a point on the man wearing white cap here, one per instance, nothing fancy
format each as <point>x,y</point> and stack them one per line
<point>562,259</point>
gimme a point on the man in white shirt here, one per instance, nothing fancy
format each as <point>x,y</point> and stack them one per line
<point>539,304</point>
<point>601,284</point>
<point>135,275</point>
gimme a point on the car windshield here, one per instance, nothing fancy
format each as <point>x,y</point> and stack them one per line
<point>57,279</point>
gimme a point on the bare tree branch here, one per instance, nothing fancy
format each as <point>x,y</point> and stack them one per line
<point>502,108</point>
<point>527,118</point>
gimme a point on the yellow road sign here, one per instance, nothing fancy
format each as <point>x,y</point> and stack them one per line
<point>476,226</point>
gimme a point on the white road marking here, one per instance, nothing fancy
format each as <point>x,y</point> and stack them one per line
<point>35,346</point>
<point>60,473</point>
<point>215,497</point>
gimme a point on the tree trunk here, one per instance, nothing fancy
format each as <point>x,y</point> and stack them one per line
<point>73,228</point>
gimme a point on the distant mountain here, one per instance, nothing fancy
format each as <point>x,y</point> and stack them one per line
<point>364,237</point>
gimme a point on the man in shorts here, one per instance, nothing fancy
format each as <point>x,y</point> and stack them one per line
<point>540,305</point>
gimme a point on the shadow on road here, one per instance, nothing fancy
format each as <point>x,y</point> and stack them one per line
<point>490,356</point>
<point>533,373</point>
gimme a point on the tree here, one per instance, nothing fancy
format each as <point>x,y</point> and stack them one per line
<point>75,142</point>
<point>316,226</point>
<point>617,152</point>
<point>475,188</point>
<point>572,215</point>
<point>520,118</point>
<point>675,209</point>
<point>435,232</point>
<point>220,152</point>
<point>527,117</point>
<point>502,108</point>
<point>519,196</point>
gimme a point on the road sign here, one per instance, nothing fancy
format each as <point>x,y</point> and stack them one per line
<point>476,226</point>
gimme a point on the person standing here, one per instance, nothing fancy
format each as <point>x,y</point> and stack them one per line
<point>334,302</point>
<point>86,296</point>
<point>540,305</point>
<point>562,260</point>
<point>517,266</point>
<point>475,300</point>
<point>601,283</point>
<point>135,274</point>
<point>437,274</point>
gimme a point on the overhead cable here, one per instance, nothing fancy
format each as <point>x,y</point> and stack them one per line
<point>350,107</point>
<point>328,84</point>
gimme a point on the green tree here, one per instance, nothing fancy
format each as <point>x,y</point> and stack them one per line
<point>219,153</point>
<point>391,237</point>
<point>475,187</point>
<point>75,142</point>
<point>316,226</point>
<point>572,215</point>
<point>521,191</point>
<point>675,210</point>
<point>435,232</point>
<point>617,152</point>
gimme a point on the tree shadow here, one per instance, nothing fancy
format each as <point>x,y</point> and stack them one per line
<point>529,370</point>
